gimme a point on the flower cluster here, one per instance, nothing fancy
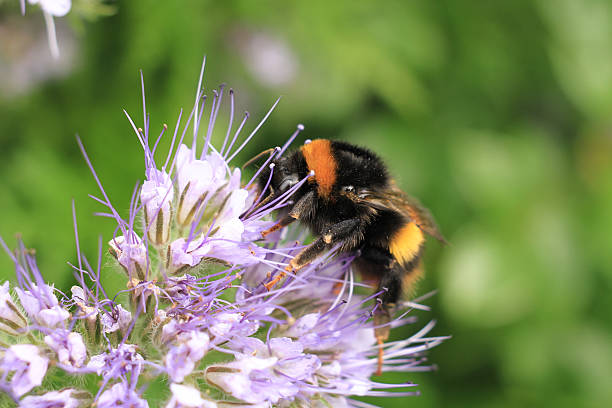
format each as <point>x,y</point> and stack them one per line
<point>195,325</point>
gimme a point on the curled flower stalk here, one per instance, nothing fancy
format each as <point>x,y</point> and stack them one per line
<point>195,325</point>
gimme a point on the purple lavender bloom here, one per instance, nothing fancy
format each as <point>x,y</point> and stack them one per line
<point>184,396</point>
<point>27,365</point>
<point>36,297</point>
<point>225,325</point>
<point>199,180</point>
<point>265,373</point>
<point>41,305</point>
<point>131,253</point>
<point>117,319</point>
<point>121,395</point>
<point>187,350</point>
<point>68,346</point>
<point>53,399</point>
<point>117,362</point>
<point>157,194</point>
<point>11,319</point>
<point>200,185</point>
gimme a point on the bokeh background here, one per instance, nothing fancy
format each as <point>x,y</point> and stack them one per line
<point>495,114</point>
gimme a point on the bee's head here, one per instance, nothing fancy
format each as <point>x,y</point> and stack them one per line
<point>283,174</point>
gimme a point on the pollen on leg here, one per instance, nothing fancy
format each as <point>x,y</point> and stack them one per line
<point>381,332</point>
<point>270,230</point>
<point>270,285</point>
<point>381,353</point>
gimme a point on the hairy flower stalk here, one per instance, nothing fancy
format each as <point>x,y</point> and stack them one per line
<point>195,325</point>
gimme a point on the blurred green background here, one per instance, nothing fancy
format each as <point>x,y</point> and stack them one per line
<point>495,114</point>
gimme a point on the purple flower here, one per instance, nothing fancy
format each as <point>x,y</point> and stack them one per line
<point>117,362</point>
<point>156,195</point>
<point>42,306</point>
<point>53,399</point>
<point>131,253</point>
<point>27,365</point>
<point>225,325</point>
<point>117,319</point>
<point>196,182</point>
<point>189,253</point>
<point>85,311</point>
<point>121,395</point>
<point>11,319</point>
<point>187,350</point>
<point>184,396</point>
<point>68,346</point>
<point>200,186</point>
<point>265,373</point>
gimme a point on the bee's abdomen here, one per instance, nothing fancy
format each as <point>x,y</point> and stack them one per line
<point>406,242</point>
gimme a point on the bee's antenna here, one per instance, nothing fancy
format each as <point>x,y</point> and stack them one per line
<point>251,160</point>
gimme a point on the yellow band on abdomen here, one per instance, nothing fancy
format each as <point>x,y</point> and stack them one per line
<point>406,243</point>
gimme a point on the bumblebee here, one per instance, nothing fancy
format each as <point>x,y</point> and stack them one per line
<point>351,201</point>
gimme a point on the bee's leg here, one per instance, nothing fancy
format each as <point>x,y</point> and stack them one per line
<point>378,257</point>
<point>391,283</point>
<point>395,279</point>
<point>382,318</point>
<point>347,231</point>
<point>390,275</point>
<point>340,231</point>
<point>303,205</point>
<point>307,254</point>
<point>381,355</point>
<point>283,222</point>
<point>297,212</point>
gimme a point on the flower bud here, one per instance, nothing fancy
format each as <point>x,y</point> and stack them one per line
<point>131,254</point>
<point>11,319</point>
<point>156,195</point>
<point>42,306</point>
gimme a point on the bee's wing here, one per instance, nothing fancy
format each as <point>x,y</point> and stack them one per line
<point>422,216</point>
<point>397,200</point>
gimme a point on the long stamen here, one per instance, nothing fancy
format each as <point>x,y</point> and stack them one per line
<point>248,139</point>
<point>231,121</point>
<point>213,118</point>
<point>300,128</point>
<point>197,99</point>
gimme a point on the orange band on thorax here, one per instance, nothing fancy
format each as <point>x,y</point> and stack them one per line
<point>319,157</point>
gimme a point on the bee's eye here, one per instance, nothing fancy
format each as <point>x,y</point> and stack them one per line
<point>348,189</point>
